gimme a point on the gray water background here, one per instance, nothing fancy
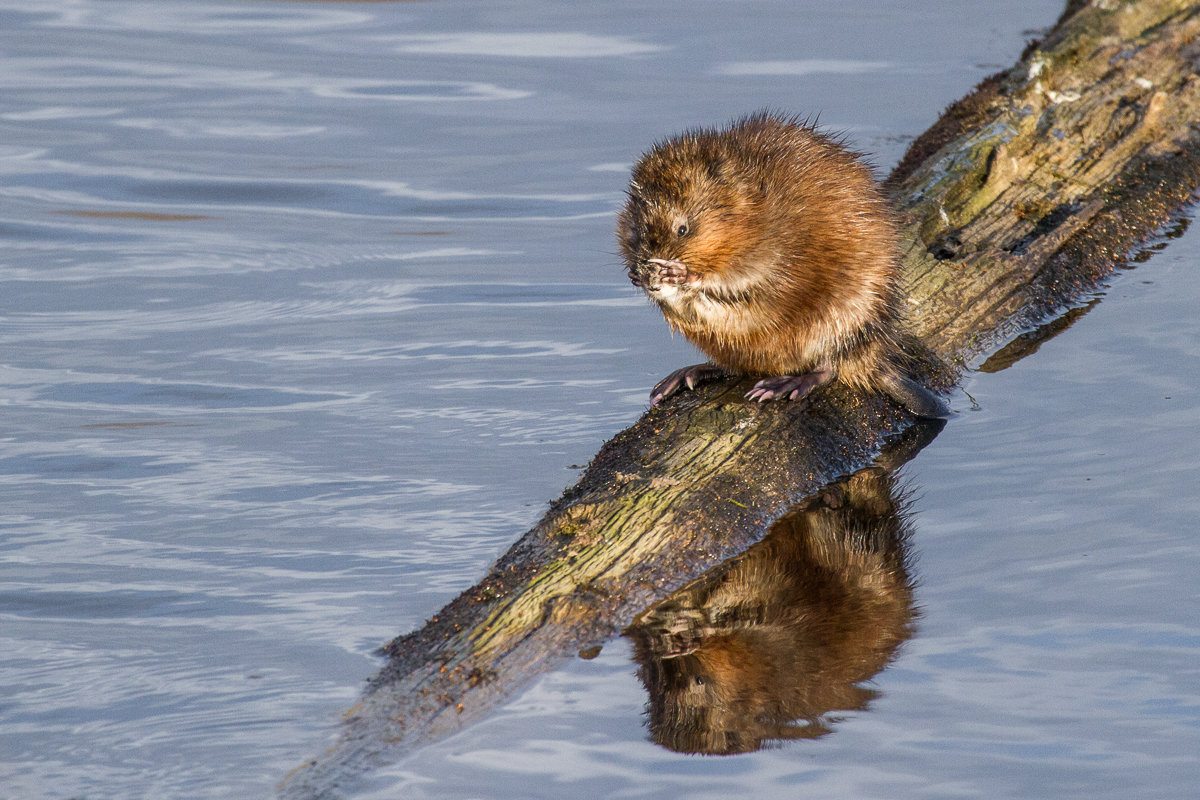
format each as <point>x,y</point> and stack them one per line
<point>307,309</point>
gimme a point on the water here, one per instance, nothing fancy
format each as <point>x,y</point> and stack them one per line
<point>309,308</point>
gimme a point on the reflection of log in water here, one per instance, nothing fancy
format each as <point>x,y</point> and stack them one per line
<point>784,633</point>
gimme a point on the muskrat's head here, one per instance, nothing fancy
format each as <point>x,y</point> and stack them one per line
<point>689,204</point>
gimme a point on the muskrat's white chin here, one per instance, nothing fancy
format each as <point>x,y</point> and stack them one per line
<point>664,293</point>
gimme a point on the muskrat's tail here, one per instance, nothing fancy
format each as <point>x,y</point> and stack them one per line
<point>913,396</point>
<point>883,360</point>
<point>912,357</point>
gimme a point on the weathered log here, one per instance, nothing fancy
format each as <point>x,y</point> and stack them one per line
<point>1018,201</point>
<point>1031,190</point>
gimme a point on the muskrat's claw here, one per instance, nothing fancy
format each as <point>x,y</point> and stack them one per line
<point>686,377</point>
<point>793,387</point>
<point>674,273</point>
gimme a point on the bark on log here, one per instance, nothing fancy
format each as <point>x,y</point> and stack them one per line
<point>1018,201</point>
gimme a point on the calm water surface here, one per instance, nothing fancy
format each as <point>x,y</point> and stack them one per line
<point>308,309</point>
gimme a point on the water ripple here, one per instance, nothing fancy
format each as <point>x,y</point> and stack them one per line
<point>805,66</point>
<point>176,396</point>
<point>28,76</point>
<point>522,45</point>
<point>224,20</point>
<point>418,91</point>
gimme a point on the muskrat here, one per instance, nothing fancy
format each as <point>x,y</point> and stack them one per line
<point>770,247</point>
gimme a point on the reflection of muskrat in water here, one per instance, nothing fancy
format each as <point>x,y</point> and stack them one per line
<point>770,247</point>
<point>771,644</point>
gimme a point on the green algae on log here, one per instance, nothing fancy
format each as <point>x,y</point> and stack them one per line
<point>1018,201</point>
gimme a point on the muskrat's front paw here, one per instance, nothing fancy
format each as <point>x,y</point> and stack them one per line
<point>673,273</point>
<point>686,377</point>
<point>793,387</point>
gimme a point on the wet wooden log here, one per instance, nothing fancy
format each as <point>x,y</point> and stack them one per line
<point>1017,202</point>
<point>1029,191</point>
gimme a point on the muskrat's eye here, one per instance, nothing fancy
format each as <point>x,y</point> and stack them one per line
<point>682,230</point>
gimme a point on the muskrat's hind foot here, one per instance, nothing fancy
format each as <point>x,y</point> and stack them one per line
<point>687,377</point>
<point>793,387</point>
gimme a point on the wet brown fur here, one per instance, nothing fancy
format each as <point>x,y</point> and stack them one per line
<point>790,251</point>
